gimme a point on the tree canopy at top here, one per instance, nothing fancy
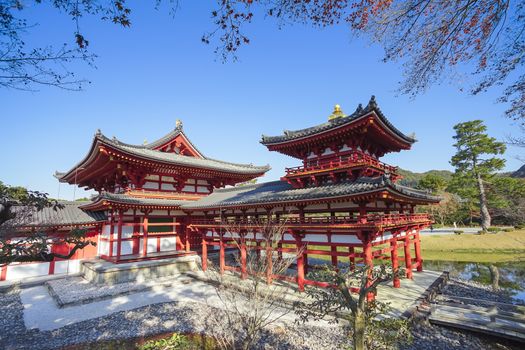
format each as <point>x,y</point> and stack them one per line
<point>430,37</point>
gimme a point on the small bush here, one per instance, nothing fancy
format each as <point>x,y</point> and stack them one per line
<point>482,232</point>
<point>519,226</point>
<point>458,232</point>
<point>493,229</point>
<point>176,341</point>
<point>510,229</point>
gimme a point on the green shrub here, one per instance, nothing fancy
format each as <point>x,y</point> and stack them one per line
<point>458,232</point>
<point>494,229</point>
<point>176,341</point>
<point>519,226</point>
<point>510,229</point>
<point>482,232</point>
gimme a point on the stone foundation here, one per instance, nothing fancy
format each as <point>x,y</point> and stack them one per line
<point>103,272</point>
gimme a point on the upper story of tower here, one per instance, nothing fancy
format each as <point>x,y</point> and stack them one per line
<point>344,147</point>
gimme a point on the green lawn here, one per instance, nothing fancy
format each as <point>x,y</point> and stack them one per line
<point>490,247</point>
<point>487,248</point>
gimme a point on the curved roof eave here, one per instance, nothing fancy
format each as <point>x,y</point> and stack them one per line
<point>359,114</point>
<point>217,165</point>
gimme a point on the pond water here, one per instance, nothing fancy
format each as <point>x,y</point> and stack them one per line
<point>512,275</point>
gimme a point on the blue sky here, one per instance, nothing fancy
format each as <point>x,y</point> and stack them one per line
<point>158,71</point>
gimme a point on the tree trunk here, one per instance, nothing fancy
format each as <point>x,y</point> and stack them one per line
<point>359,330</point>
<point>484,210</point>
<point>494,277</point>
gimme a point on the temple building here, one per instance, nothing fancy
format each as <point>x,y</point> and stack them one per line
<point>166,199</point>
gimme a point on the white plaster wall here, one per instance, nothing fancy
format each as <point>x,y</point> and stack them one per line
<point>103,248</point>
<point>168,243</point>
<point>67,266</point>
<point>151,185</point>
<point>315,238</point>
<point>127,231</point>
<point>350,239</point>
<point>201,189</point>
<point>159,212</point>
<point>152,245</point>
<point>126,247</point>
<point>167,187</point>
<point>20,271</point>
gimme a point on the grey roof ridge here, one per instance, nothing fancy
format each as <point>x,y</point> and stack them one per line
<point>117,143</point>
<point>358,113</point>
<point>247,187</point>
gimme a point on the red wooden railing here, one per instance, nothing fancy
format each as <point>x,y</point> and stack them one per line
<point>351,159</point>
<point>374,219</point>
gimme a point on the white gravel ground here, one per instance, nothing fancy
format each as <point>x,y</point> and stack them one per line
<point>29,319</point>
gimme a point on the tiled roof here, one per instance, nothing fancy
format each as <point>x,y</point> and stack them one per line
<point>335,123</point>
<point>280,191</point>
<point>170,136</point>
<point>127,199</point>
<point>69,215</point>
<point>173,158</point>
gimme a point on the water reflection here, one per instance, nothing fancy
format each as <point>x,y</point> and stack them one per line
<point>511,275</point>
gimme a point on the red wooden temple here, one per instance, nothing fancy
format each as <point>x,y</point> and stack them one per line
<point>166,199</point>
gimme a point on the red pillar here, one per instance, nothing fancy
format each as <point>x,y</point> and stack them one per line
<point>3,273</point>
<point>351,256</point>
<point>119,234</point>
<point>417,249</point>
<point>367,252</point>
<point>145,222</point>
<point>244,272</point>
<point>204,255</point>
<point>111,232</point>
<point>333,251</point>
<point>395,262</point>
<point>186,237</point>
<point>222,262</point>
<point>300,262</point>
<point>408,258</point>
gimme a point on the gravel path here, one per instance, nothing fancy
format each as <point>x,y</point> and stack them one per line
<point>189,317</point>
<point>150,320</point>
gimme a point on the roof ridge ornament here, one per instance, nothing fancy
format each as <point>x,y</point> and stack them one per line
<point>359,108</point>
<point>337,113</point>
<point>178,124</point>
<point>98,132</point>
<point>372,103</point>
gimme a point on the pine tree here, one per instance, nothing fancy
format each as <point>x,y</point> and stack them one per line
<point>473,160</point>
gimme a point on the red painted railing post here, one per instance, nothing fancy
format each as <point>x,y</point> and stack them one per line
<point>300,262</point>
<point>119,233</point>
<point>395,262</point>
<point>204,252</point>
<point>417,249</point>
<point>408,258</point>
<point>244,272</point>
<point>367,251</point>
<point>222,262</point>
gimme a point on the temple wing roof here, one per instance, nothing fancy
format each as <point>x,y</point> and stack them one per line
<point>69,215</point>
<point>280,191</point>
<point>127,199</point>
<point>173,158</point>
<point>359,113</point>
<point>147,152</point>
